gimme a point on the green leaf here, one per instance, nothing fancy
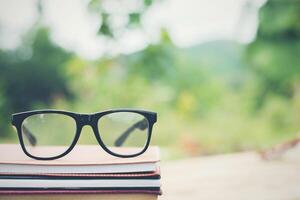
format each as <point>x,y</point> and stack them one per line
<point>134,18</point>
<point>148,2</point>
<point>105,30</point>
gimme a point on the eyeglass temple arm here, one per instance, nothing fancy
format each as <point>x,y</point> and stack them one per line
<point>142,125</point>
<point>31,138</point>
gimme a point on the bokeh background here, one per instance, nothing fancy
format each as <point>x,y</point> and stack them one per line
<point>224,76</point>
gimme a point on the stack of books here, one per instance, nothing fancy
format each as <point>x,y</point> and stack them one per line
<point>85,173</point>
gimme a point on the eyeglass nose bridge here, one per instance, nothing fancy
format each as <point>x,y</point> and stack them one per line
<point>86,119</point>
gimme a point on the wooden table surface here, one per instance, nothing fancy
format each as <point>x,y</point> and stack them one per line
<point>232,176</point>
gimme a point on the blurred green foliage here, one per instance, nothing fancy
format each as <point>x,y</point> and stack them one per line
<point>32,74</point>
<point>130,12</point>
<point>274,55</point>
<point>216,97</point>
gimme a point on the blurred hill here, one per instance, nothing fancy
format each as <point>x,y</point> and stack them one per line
<point>222,56</point>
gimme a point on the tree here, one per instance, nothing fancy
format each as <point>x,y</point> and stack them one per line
<point>33,73</point>
<point>274,55</point>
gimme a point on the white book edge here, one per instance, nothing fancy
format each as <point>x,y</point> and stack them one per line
<point>77,183</point>
<point>91,169</point>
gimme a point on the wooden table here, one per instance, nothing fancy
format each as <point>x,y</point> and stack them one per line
<point>233,176</point>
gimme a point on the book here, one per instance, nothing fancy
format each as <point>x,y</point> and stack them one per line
<point>12,182</point>
<point>29,192</point>
<point>80,197</point>
<point>82,159</point>
<point>76,169</point>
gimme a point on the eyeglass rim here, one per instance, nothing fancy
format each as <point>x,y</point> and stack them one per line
<point>80,119</point>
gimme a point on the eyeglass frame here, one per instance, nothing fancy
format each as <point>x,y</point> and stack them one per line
<point>81,121</point>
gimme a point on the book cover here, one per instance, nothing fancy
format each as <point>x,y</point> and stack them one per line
<point>83,159</point>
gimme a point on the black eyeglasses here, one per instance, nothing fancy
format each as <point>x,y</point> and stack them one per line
<point>37,130</point>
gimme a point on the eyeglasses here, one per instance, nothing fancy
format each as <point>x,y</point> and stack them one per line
<point>37,130</point>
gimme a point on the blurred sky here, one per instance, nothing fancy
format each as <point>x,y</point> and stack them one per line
<point>189,22</point>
